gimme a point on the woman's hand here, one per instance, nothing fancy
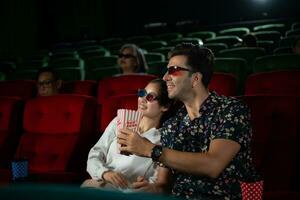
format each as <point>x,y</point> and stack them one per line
<point>143,185</point>
<point>115,178</point>
<point>132,142</point>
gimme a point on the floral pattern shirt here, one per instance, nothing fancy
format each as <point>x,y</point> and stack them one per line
<point>220,117</point>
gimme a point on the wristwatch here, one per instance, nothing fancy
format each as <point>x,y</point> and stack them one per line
<point>156,152</point>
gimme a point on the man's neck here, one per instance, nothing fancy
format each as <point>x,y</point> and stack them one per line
<point>194,103</point>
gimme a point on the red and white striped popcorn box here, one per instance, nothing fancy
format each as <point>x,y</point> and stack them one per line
<point>252,190</point>
<point>128,119</point>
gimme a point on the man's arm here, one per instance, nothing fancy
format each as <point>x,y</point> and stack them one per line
<point>210,163</point>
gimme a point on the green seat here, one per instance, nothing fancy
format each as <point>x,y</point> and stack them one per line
<point>268,45</point>
<point>100,61</point>
<point>229,40</point>
<point>196,41</point>
<point>203,35</point>
<point>271,27</point>
<point>247,53</point>
<point>283,50</point>
<point>114,49</point>
<point>111,41</point>
<point>63,54</point>
<point>157,68</point>
<point>2,76</point>
<point>93,53</point>
<point>294,32</point>
<point>85,43</point>
<point>154,57</point>
<point>153,44</point>
<point>62,46</point>
<point>238,31</point>
<point>31,65</point>
<point>295,25</point>
<point>167,36</point>
<point>26,74</point>
<point>287,41</point>
<point>277,62</point>
<point>71,73</point>
<point>236,66</point>
<point>216,47</point>
<point>67,63</point>
<point>101,73</point>
<point>87,48</point>
<point>163,50</point>
<point>268,35</point>
<point>138,39</point>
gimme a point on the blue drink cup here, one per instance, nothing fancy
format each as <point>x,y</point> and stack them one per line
<point>19,169</point>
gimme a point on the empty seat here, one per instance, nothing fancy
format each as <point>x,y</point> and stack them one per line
<point>268,35</point>
<point>275,122</point>
<point>287,41</point>
<point>223,84</point>
<point>154,44</point>
<point>154,57</point>
<point>20,88</point>
<point>216,47</point>
<point>281,28</point>
<point>203,35</point>
<point>276,62</point>
<point>276,82</point>
<point>229,40</point>
<point>86,87</point>
<point>283,50</point>
<point>157,68</point>
<point>237,31</point>
<point>11,112</point>
<point>167,36</point>
<point>58,133</point>
<point>247,53</point>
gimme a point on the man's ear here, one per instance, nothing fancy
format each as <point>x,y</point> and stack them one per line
<point>197,78</point>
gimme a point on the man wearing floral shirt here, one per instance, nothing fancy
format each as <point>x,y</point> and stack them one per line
<point>205,150</point>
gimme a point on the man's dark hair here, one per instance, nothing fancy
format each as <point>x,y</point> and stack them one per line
<point>250,40</point>
<point>199,59</point>
<point>50,70</point>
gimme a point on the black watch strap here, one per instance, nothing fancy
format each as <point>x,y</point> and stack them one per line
<point>156,152</point>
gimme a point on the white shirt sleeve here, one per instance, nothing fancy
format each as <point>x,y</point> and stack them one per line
<point>96,163</point>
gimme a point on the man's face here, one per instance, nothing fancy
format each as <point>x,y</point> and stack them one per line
<point>177,77</point>
<point>46,84</point>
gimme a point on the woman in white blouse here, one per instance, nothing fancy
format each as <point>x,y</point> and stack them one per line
<point>112,170</point>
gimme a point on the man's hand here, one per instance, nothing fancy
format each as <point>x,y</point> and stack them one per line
<point>115,178</point>
<point>132,142</point>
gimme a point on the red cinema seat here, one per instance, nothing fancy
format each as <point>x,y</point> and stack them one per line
<point>57,136</point>
<point>21,88</point>
<point>114,103</point>
<point>123,84</point>
<point>275,82</point>
<point>118,85</point>
<point>276,128</point>
<point>86,87</point>
<point>11,111</point>
<point>224,84</point>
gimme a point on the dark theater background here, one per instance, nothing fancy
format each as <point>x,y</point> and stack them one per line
<point>81,39</point>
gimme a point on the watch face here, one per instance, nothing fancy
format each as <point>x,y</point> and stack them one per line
<point>156,152</point>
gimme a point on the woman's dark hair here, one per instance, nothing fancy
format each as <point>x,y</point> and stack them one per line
<point>164,100</point>
<point>199,59</point>
<point>140,58</point>
<point>50,70</point>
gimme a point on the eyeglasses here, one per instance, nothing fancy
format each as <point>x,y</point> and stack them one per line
<point>45,83</point>
<point>173,69</point>
<point>121,55</point>
<point>148,96</point>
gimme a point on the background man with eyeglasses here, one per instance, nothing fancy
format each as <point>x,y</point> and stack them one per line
<point>48,82</point>
<point>205,150</point>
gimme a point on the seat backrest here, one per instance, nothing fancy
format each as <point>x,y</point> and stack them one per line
<point>123,84</point>
<point>277,62</point>
<point>275,121</point>
<point>11,111</point>
<point>21,88</point>
<point>276,82</point>
<point>86,87</point>
<point>57,132</point>
<point>224,84</point>
<point>112,104</point>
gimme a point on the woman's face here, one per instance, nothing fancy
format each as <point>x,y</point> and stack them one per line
<point>127,61</point>
<point>152,108</point>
